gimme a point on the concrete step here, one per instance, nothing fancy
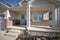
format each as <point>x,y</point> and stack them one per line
<point>12,33</point>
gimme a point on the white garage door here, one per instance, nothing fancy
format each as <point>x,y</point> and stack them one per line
<point>1,22</point>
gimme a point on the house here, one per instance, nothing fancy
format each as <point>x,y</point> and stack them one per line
<point>34,14</point>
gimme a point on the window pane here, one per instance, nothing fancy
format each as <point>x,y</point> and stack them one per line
<point>40,18</point>
<point>37,16</point>
<point>50,16</point>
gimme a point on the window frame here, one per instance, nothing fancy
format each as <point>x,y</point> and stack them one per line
<point>50,15</point>
<point>38,13</point>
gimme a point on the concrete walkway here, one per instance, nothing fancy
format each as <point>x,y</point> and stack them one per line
<point>7,36</point>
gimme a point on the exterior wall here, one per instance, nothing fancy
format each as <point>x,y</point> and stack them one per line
<point>6,13</point>
<point>44,22</point>
<point>8,23</point>
<point>46,16</point>
<point>3,12</point>
<point>16,15</point>
<point>42,5</point>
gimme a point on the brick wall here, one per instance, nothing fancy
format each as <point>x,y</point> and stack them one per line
<point>41,23</point>
<point>8,23</point>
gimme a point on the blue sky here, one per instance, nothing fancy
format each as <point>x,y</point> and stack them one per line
<point>12,2</point>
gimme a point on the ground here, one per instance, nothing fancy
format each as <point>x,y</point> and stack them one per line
<point>6,37</point>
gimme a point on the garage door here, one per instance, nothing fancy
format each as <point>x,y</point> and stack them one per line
<point>1,22</point>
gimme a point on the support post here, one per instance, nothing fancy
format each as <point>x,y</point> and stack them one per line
<point>54,19</point>
<point>28,19</point>
<point>28,16</point>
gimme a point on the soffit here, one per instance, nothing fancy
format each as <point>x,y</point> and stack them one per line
<point>43,9</point>
<point>52,1</point>
<point>43,5</point>
<point>17,9</point>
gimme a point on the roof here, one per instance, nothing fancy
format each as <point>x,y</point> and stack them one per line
<point>31,2</point>
<point>8,5</point>
<point>4,5</point>
<point>38,6</point>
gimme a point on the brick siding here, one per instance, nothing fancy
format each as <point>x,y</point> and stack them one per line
<point>8,23</point>
<point>41,23</point>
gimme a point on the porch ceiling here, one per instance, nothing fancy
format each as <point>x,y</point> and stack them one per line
<point>51,1</point>
<point>38,5</point>
<point>43,8</point>
<point>18,9</point>
<point>43,5</point>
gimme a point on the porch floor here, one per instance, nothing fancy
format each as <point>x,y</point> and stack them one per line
<point>33,28</point>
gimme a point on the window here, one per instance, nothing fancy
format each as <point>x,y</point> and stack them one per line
<point>59,9</point>
<point>37,16</point>
<point>50,16</point>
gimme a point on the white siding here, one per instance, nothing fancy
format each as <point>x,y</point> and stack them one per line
<point>46,16</point>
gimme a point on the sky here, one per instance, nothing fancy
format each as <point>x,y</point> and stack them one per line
<point>12,2</point>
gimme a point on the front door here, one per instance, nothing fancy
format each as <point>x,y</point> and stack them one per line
<point>22,20</point>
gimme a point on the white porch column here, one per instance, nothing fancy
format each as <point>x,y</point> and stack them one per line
<point>58,18</point>
<point>7,14</point>
<point>28,16</point>
<point>54,19</point>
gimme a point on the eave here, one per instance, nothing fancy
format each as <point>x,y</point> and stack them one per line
<point>4,6</point>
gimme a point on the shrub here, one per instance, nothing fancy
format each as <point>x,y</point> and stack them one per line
<point>24,37</point>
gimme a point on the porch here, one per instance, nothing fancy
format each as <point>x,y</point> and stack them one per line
<point>20,17</point>
<point>37,33</point>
